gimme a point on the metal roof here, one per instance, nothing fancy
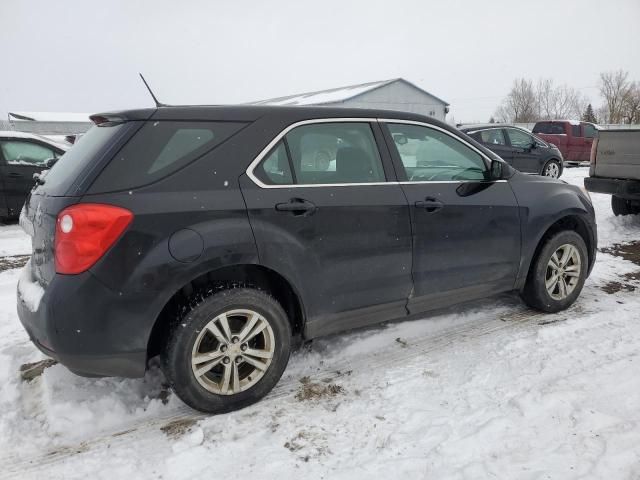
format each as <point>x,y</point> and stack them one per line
<point>334,95</point>
<point>50,116</point>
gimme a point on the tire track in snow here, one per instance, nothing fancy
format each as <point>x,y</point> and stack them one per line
<point>148,430</point>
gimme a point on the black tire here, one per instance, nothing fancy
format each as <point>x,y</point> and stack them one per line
<point>177,355</point>
<point>535,293</point>
<point>620,206</point>
<point>552,162</point>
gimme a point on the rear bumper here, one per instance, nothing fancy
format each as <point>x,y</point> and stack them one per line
<point>628,189</point>
<point>73,325</point>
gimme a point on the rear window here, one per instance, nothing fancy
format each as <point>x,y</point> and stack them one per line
<point>549,128</point>
<point>71,165</point>
<point>159,149</point>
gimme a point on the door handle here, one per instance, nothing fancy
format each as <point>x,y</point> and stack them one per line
<point>297,206</point>
<point>430,204</point>
<point>14,175</point>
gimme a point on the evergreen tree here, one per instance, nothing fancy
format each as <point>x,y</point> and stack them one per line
<point>589,115</point>
<point>492,120</point>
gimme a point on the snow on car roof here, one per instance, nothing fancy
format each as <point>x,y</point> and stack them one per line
<point>14,134</point>
<point>51,116</point>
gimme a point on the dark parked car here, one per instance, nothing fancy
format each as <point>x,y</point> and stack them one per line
<point>573,138</point>
<point>520,148</point>
<point>203,235</point>
<point>22,155</point>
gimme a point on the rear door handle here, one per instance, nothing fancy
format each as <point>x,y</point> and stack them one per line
<point>14,175</point>
<point>430,204</point>
<point>297,206</point>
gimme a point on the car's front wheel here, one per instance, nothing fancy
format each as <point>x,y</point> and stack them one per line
<point>558,273</point>
<point>229,351</point>
<point>552,169</point>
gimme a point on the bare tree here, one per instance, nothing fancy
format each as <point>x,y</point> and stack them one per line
<point>520,105</point>
<point>631,106</point>
<point>615,88</point>
<point>559,101</point>
<point>545,101</point>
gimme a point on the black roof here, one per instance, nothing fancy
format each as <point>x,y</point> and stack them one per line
<point>254,112</point>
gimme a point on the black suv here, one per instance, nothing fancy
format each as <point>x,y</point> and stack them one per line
<point>520,148</point>
<point>212,236</point>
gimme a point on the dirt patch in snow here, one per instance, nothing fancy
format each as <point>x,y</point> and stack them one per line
<point>311,391</point>
<point>177,428</point>
<point>628,283</point>
<point>17,261</point>
<point>628,251</point>
<point>29,371</point>
<point>308,444</point>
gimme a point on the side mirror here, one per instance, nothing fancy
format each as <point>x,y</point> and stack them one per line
<point>533,145</point>
<point>497,170</point>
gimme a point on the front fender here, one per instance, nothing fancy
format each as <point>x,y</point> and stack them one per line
<point>543,203</point>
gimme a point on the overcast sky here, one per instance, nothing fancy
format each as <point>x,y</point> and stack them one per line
<point>83,56</point>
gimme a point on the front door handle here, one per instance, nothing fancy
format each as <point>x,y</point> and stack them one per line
<point>430,204</point>
<point>14,175</point>
<point>297,206</point>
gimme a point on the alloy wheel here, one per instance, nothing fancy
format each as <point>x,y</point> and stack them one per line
<point>552,170</point>
<point>233,351</point>
<point>563,272</point>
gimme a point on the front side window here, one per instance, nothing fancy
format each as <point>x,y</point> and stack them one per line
<point>520,139</point>
<point>18,152</point>
<point>493,136</point>
<point>330,153</point>
<point>428,155</point>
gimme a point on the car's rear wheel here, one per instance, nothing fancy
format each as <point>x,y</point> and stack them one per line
<point>620,206</point>
<point>552,169</point>
<point>558,273</point>
<point>229,351</point>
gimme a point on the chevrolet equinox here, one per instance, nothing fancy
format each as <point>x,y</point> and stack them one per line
<point>214,236</point>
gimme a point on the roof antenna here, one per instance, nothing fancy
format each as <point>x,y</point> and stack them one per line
<point>158,104</point>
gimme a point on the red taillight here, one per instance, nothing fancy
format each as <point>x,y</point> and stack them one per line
<point>84,232</point>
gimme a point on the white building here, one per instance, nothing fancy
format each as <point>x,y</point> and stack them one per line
<point>48,123</point>
<point>394,94</point>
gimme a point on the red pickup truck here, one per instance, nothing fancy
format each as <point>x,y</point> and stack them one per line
<point>573,138</point>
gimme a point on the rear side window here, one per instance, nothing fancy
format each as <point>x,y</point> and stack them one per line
<point>328,153</point>
<point>275,169</point>
<point>160,148</point>
<point>493,136</point>
<point>18,152</point>
<point>549,128</point>
<point>78,158</point>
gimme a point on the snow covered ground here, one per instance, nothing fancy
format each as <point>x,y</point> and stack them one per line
<point>485,390</point>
